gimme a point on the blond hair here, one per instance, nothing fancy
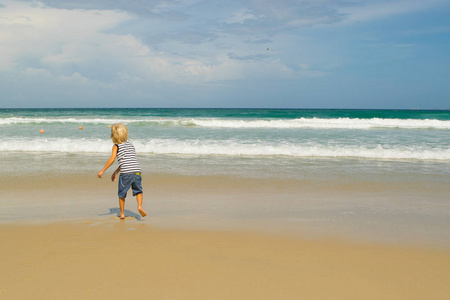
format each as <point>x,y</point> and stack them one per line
<point>119,133</point>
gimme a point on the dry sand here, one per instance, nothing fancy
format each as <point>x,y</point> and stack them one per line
<point>132,260</point>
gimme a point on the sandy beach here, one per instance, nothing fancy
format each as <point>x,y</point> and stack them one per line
<point>115,260</point>
<point>198,242</point>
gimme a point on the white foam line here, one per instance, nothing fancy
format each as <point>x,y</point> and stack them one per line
<point>342,123</point>
<point>9,121</point>
<point>338,123</point>
<point>226,148</point>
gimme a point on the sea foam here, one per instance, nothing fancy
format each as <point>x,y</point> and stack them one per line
<point>318,123</point>
<point>340,123</point>
<point>226,148</point>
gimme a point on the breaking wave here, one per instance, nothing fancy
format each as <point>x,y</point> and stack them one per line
<point>314,123</point>
<point>227,148</point>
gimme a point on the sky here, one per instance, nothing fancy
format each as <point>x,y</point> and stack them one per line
<point>249,53</point>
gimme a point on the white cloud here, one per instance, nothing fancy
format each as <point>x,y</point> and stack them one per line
<point>80,45</point>
<point>75,79</point>
<point>45,34</point>
<point>381,9</point>
<point>242,16</point>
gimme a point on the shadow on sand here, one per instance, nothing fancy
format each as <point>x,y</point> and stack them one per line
<point>116,210</point>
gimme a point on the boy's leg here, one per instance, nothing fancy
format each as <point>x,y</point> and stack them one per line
<point>122,207</point>
<point>139,199</point>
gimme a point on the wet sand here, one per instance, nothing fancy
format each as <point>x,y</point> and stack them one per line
<point>113,259</point>
<point>415,214</point>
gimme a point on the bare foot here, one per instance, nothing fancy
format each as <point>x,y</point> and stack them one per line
<point>122,217</point>
<point>142,212</point>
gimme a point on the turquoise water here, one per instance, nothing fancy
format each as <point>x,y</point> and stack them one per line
<point>233,113</point>
<point>370,134</point>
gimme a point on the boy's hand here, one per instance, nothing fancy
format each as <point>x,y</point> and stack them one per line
<point>99,174</point>
<point>114,174</point>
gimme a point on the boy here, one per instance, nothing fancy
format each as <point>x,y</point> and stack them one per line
<point>130,171</point>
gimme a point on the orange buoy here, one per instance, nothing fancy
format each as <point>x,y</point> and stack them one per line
<point>109,126</point>
<point>81,127</point>
<point>41,131</point>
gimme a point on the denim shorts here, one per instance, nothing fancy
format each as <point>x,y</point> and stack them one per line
<point>132,180</point>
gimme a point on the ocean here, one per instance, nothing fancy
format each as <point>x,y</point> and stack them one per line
<point>197,141</point>
<point>361,134</point>
<point>399,159</point>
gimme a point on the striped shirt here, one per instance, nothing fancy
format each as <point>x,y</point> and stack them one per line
<point>126,154</point>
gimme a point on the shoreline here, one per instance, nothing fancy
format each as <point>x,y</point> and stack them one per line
<point>91,260</point>
<point>287,207</point>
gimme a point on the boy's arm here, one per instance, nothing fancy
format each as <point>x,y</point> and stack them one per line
<point>113,176</point>
<point>109,162</point>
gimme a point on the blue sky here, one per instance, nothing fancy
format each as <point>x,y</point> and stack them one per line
<point>249,53</point>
